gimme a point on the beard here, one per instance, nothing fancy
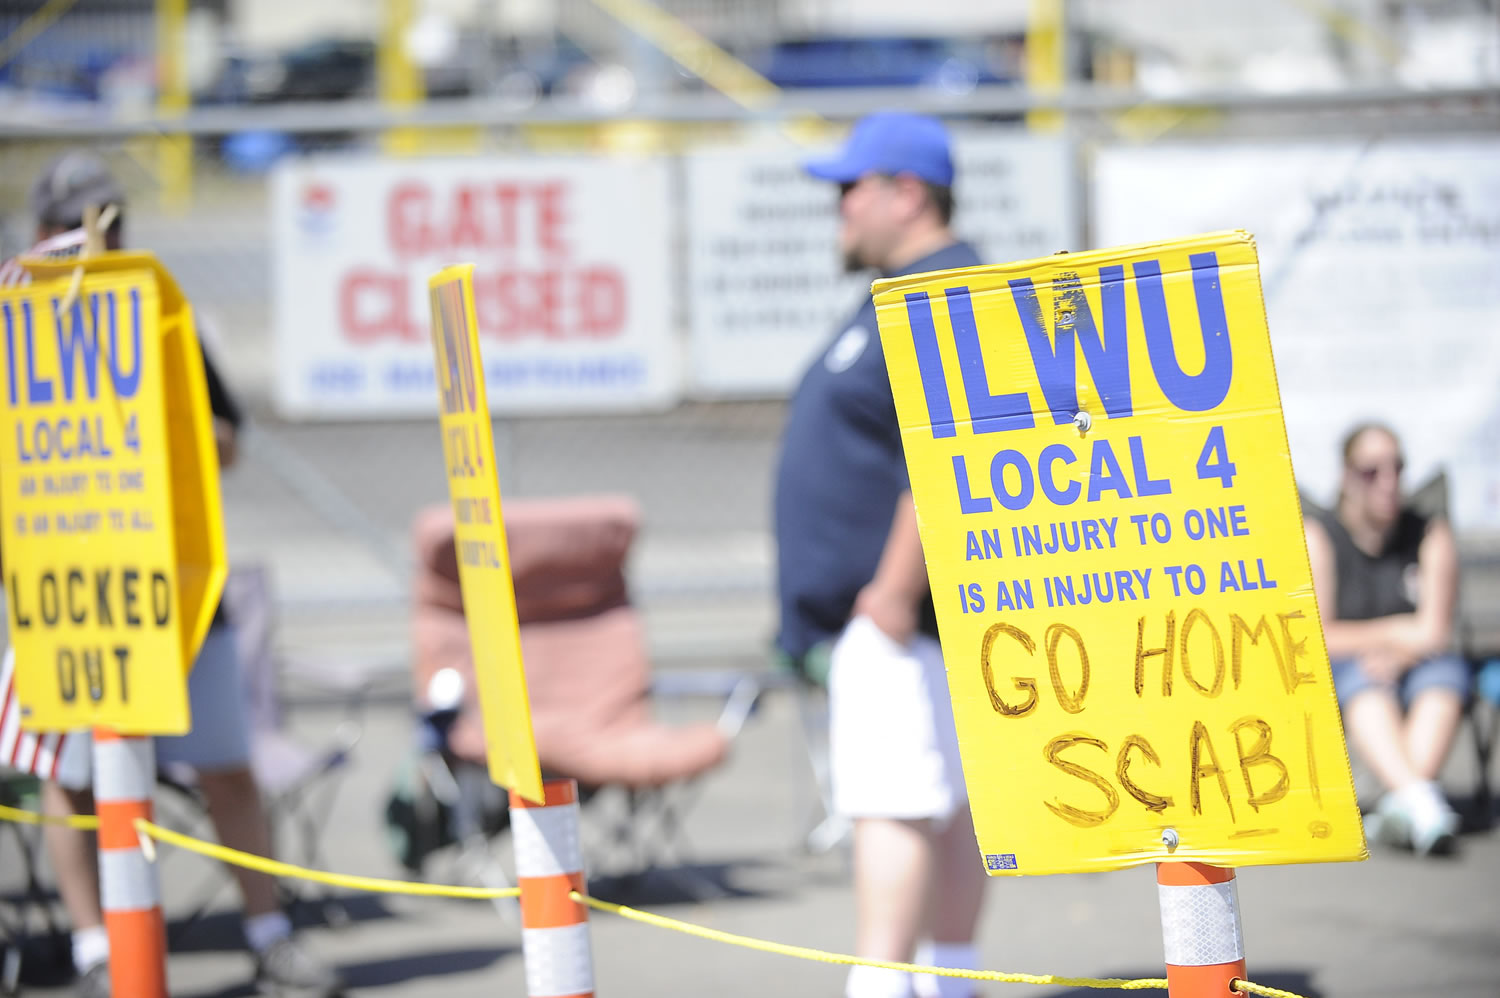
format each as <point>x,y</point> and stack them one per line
<point>853,261</point>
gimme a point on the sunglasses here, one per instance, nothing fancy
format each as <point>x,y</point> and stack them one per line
<point>848,185</point>
<point>1368,473</point>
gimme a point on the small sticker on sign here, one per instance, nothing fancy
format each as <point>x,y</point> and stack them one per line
<point>1000,861</point>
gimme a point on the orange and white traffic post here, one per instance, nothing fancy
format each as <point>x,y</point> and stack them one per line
<point>549,865</point>
<point>124,774</point>
<point>1200,930</point>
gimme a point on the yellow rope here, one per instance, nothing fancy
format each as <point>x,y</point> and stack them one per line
<point>1260,989</point>
<point>275,868</point>
<point>1353,29</point>
<point>712,64</point>
<point>34,25</point>
<point>278,869</point>
<point>823,956</point>
<point>382,886</point>
<point>694,52</point>
<point>86,822</point>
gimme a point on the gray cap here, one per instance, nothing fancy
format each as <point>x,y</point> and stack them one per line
<point>69,184</point>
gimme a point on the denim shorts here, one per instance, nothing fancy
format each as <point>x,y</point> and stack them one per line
<point>220,737</point>
<point>1445,672</point>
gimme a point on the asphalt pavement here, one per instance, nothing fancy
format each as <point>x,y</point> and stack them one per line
<point>1394,925</point>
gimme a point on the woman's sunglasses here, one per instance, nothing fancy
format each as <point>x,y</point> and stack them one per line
<point>1369,473</point>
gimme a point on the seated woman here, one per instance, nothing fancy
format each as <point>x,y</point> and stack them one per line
<point>1386,580</point>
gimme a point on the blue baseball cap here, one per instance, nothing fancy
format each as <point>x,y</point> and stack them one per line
<point>890,142</point>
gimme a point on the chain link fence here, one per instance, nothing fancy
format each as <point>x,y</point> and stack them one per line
<point>327,502</point>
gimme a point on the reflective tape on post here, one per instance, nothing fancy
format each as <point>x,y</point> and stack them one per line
<point>549,865</point>
<point>124,774</point>
<point>1200,930</point>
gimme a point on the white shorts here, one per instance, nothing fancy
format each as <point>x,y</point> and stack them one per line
<point>893,750</point>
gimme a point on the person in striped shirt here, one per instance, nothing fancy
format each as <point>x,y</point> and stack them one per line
<point>218,747</point>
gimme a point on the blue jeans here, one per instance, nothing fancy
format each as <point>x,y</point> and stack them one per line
<point>1445,672</point>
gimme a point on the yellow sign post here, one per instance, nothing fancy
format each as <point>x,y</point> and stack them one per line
<point>479,533</point>
<point>1115,548</point>
<point>112,536</point>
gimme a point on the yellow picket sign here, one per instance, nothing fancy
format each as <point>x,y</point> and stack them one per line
<point>479,533</point>
<point>112,534</point>
<point>1115,547</point>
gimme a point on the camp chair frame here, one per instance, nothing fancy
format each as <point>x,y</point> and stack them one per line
<point>289,774</point>
<point>16,918</point>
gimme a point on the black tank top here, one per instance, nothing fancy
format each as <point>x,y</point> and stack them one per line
<point>1376,585</point>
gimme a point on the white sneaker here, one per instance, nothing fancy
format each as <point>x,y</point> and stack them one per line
<point>1416,816</point>
<point>1434,824</point>
<point>1390,822</point>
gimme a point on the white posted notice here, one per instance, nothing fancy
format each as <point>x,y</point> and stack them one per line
<point>572,282</point>
<point>765,282</point>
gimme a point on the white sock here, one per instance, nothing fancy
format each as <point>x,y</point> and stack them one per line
<point>264,931</point>
<point>957,956</point>
<point>90,947</point>
<point>877,982</point>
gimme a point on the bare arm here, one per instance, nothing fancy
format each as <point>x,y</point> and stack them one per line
<point>227,441</point>
<point>891,598</point>
<point>1325,579</point>
<point>1437,568</point>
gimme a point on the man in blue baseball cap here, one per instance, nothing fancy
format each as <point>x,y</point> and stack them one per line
<point>852,581</point>
<point>891,164</point>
